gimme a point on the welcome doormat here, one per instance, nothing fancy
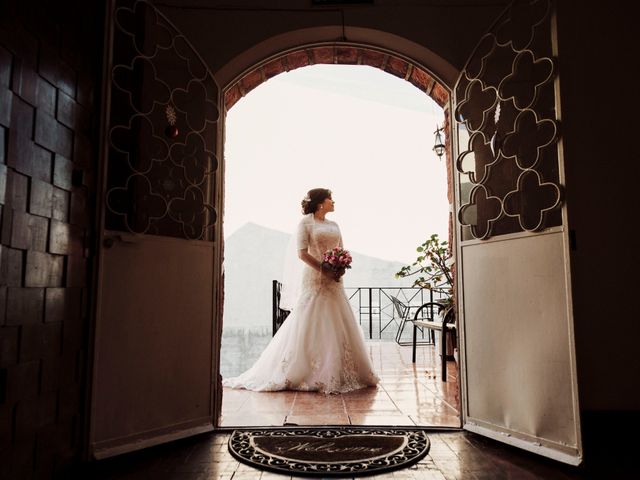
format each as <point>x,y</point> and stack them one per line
<point>329,451</point>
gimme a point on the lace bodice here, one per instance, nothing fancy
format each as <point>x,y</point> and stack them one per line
<point>317,237</point>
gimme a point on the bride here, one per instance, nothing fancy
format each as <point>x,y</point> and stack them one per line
<point>320,347</point>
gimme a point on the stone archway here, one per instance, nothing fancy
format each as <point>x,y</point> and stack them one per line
<point>345,54</point>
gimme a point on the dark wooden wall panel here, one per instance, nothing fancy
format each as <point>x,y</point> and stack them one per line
<point>50,56</point>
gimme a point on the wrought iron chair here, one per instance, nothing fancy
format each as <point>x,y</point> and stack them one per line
<point>404,313</point>
<point>432,316</point>
<point>435,316</point>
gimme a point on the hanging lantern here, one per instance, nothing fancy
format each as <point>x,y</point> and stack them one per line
<point>438,146</point>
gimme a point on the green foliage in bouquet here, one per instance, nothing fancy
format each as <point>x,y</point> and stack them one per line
<point>432,268</point>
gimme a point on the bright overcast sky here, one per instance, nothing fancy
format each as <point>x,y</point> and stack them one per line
<point>364,134</point>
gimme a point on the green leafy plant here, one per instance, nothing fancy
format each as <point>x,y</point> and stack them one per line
<point>433,269</point>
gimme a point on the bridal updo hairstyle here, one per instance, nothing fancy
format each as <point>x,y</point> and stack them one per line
<point>314,198</point>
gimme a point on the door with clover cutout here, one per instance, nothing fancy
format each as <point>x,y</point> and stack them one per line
<point>518,356</point>
<point>158,261</point>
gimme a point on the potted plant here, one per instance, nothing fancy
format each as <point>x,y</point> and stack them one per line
<point>433,271</point>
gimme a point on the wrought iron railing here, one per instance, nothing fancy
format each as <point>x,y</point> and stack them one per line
<point>375,311</point>
<point>278,314</point>
<point>373,307</point>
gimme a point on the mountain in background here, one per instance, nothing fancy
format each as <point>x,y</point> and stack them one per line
<point>254,257</point>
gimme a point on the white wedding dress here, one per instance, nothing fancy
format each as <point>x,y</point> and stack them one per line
<point>320,346</point>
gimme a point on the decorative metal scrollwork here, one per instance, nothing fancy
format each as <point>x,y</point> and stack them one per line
<point>481,201</point>
<point>508,163</point>
<point>162,130</point>
<point>478,159</point>
<point>531,199</point>
<point>529,136</point>
<point>527,76</point>
<point>476,106</point>
<point>518,28</point>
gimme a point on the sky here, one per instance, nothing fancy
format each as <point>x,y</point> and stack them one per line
<point>363,133</point>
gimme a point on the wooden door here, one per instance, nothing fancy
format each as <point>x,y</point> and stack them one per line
<point>153,365</point>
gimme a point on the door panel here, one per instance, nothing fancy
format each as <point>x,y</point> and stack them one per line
<point>514,305</point>
<point>523,324</point>
<point>159,263</point>
<point>153,359</point>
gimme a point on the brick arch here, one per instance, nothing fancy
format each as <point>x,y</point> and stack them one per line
<point>341,55</point>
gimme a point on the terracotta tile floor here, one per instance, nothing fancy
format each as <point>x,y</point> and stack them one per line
<point>408,394</point>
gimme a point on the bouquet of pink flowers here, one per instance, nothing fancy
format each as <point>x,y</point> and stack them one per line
<point>337,260</point>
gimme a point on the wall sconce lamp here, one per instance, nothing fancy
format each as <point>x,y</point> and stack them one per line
<point>438,146</point>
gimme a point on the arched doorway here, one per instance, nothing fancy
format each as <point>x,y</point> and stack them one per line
<point>519,260</point>
<point>396,388</point>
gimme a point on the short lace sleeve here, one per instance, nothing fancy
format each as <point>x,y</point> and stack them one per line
<point>302,235</point>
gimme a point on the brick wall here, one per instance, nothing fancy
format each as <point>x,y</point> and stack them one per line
<point>49,63</point>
